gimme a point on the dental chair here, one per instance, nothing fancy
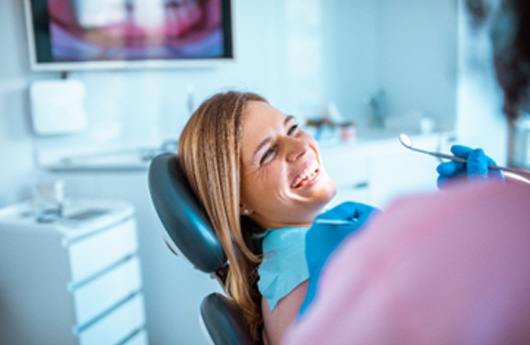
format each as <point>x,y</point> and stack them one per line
<point>189,232</point>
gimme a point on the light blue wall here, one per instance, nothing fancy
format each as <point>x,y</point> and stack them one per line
<point>417,57</point>
<point>16,160</point>
<point>356,47</point>
<point>143,107</point>
<point>407,48</point>
<point>366,45</point>
<point>349,49</point>
<point>350,67</point>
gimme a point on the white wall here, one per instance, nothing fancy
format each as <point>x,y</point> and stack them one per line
<point>407,48</point>
<point>143,107</point>
<point>16,161</point>
<point>350,67</point>
<point>417,57</point>
<point>340,51</point>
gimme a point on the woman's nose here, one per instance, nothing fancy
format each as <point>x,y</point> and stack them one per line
<point>296,149</point>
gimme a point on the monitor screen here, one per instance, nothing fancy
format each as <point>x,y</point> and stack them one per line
<point>80,34</point>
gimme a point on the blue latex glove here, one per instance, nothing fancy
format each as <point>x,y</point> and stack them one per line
<point>322,239</point>
<point>476,166</point>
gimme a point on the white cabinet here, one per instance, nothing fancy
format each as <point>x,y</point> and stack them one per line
<point>172,288</point>
<point>376,172</point>
<point>75,280</point>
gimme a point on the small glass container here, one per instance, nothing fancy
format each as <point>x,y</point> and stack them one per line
<point>347,132</point>
<point>48,200</point>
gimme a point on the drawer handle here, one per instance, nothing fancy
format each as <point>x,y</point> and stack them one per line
<point>361,185</point>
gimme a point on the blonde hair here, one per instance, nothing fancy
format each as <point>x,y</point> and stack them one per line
<point>209,153</point>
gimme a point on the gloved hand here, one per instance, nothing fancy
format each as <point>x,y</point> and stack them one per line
<point>325,235</point>
<point>476,166</point>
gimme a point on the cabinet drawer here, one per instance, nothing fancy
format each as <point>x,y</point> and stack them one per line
<point>102,293</point>
<point>101,250</point>
<point>116,326</point>
<point>138,339</point>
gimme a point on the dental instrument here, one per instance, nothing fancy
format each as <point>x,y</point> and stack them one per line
<point>406,141</point>
<point>333,221</point>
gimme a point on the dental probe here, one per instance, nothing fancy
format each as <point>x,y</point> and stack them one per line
<point>406,141</point>
<point>333,221</point>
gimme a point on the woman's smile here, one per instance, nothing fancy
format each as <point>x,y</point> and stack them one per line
<point>284,182</point>
<point>307,175</point>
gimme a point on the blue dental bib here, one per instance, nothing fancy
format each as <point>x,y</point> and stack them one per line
<point>284,265</point>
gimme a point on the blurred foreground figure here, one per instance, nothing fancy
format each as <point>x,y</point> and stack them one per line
<point>446,268</point>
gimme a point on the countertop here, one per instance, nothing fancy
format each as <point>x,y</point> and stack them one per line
<point>138,159</point>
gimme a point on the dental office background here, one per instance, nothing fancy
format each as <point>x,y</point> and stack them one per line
<point>382,66</point>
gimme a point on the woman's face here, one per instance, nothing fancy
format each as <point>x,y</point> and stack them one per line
<point>283,181</point>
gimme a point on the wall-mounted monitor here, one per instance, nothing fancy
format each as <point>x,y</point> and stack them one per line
<point>66,35</point>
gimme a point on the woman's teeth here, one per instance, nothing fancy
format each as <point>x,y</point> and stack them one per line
<point>306,175</point>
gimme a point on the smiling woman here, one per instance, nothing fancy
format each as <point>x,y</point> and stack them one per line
<point>257,174</point>
<point>283,182</point>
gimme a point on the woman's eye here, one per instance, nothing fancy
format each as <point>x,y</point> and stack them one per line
<point>293,130</point>
<point>265,158</point>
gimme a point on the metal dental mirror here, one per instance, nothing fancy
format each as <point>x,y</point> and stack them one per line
<point>406,141</point>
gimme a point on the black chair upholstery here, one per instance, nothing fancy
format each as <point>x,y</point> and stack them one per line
<point>188,229</point>
<point>214,310</point>
<point>184,220</point>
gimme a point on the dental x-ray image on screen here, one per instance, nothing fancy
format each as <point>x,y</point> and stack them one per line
<point>107,33</point>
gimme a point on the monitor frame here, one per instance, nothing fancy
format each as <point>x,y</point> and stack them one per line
<point>189,63</point>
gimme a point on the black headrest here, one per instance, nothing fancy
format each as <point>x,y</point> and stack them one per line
<point>184,219</point>
<point>224,321</point>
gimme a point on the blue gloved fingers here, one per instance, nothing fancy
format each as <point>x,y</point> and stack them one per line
<point>448,169</point>
<point>327,236</point>
<point>345,211</point>
<point>477,164</point>
<point>341,211</point>
<point>323,238</point>
<point>364,212</point>
<point>491,162</point>
<point>441,181</point>
<point>360,210</point>
<point>461,150</point>
<point>494,172</point>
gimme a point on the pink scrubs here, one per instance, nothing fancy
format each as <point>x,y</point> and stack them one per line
<point>447,268</point>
